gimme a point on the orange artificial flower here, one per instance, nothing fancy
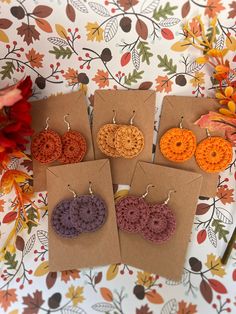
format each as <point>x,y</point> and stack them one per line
<point>227,98</point>
<point>221,72</point>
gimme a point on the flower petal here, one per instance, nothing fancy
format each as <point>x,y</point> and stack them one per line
<point>229,91</point>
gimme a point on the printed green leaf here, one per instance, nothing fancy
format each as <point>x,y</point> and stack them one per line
<point>7,70</point>
<point>209,32</point>
<point>10,260</point>
<point>164,11</point>
<point>32,216</point>
<point>61,52</point>
<point>219,229</point>
<point>144,51</point>
<point>133,77</point>
<point>167,64</point>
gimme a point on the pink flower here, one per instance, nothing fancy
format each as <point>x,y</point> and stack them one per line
<point>10,97</point>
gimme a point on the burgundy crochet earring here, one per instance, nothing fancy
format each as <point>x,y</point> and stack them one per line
<point>161,222</point>
<point>132,212</point>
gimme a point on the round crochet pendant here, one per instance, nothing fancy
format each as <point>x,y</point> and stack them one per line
<point>74,147</point>
<point>88,213</point>
<point>106,139</point>
<point>129,141</point>
<point>178,145</point>
<point>131,213</point>
<point>61,221</point>
<point>161,224</point>
<point>214,154</point>
<point>46,146</point>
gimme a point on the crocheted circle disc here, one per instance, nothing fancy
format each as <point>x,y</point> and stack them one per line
<point>161,224</point>
<point>46,146</point>
<point>74,147</point>
<point>129,141</point>
<point>106,139</point>
<point>131,213</point>
<point>178,144</point>
<point>61,221</point>
<point>88,213</point>
<point>214,154</point>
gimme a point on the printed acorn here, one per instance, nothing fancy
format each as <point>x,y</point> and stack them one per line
<point>83,78</point>
<point>106,55</point>
<point>54,301</point>
<point>180,80</point>
<point>125,24</point>
<point>195,264</point>
<point>40,82</point>
<point>18,12</point>
<point>139,292</point>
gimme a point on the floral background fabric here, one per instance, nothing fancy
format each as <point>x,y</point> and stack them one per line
<point>125,44</point>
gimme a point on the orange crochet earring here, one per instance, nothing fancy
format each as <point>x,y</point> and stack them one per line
<point>214,153</point>
<point>178,144</point>
<point>129,140</point>
<point>106,138</point>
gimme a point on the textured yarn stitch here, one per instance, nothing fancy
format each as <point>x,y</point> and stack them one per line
<point>106,139</point>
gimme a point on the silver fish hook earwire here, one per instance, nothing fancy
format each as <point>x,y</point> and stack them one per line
<point>208,132</point>
<point>47,124</point>
<point>67,123</point>
<point>72,191</point>
<point>168,197</point>
<point>147,190</point>
<point>132,118</point>
<point>90,188</point>
<point>181,122</point>
<point>114,117</point>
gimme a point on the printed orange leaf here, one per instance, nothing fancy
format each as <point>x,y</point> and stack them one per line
<point>3,37</point>
<point>101,78</point>
<point>195,27</point>
<point>186,309</point>
<point>225,195</point>
<point>141,29</point>
<point>213,7</point>
<point>163,84</point>
<point>106,294</point>
<point>127,4</point>
<point>42,269</point>
<point>71,75</point>
<point>7,297</point>
<point>75,294</point>
<point>94,32</point>
<point>35,58</point>
<point>10,177</point>
<point>180,45</point>
<point>112,271</point>
<point>154,297</point>
<point>2,203</point>
<point>69,274</point>
<point>61,31</point>
<point>44,25</point>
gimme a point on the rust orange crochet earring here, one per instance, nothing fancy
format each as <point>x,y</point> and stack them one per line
<point>214,153</point>
<point>178,144</point>
<point>106,138</point>
<point>46,146</point>
<point>74,145</point>
<point>129,140</point>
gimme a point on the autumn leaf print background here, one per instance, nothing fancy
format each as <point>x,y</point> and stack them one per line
<point>118,44</point>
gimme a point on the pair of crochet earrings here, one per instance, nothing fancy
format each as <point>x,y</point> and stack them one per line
<point>155,222</point>
<point>84,213</point>
<point>116,140</point>
<point>48,146</point>
<point>212,154</point>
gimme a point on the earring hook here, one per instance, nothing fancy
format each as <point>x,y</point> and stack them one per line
<point>132,118</point>
<point>90,188</point>
<point>67,123</point>
<point>147,190</point>
<point>114,117</point>
<point>168,197</point>
<point>47,124</point>
<point>208,132</point>
<point>72,191</point>
<point>181,123</point>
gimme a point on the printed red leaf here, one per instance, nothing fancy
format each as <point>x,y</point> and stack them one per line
<point>70,12</point>
<point>44,25</point>
<point>106,294</point>
<point>202,208</point>
<point>234,58</point>
<point>145,85</point>
<point>98,278</point>
<point>201,236</point>
<point>217,286</point>
<point>125,59</point>
<point>5,23</point>
<point>206,291</point>
<point>141,29</point>
<point>167,33</point>
<point>185,9</point>
<point>51,279</point>
<point>28,32</point>
<point>42,11</point>
<point>9,217</point>
<point>20,243</point>
<point>234,275</point>
<point>127,4</point>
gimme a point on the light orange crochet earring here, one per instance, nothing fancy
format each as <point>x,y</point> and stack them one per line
<point>214,153</point>
<point>106,138</point>
<point>129,140</point>
<point>178,144</point>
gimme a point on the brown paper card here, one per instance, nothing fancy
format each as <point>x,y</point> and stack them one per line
<point>166,259</point>
<point>191,108</point>
<point>124,103</point>
<point>56,107</point>
<point>89,249</point>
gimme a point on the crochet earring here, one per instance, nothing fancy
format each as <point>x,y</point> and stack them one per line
<point>132,212</point>
<point>106,138</point>
<point>61,220</point>
<point>88,212</point>
<point>214,153</point>
<point>46,146</point>
<point>161,222</point>
<point>178,144</point>
<point>129,140</point>
<point>74,145</point>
